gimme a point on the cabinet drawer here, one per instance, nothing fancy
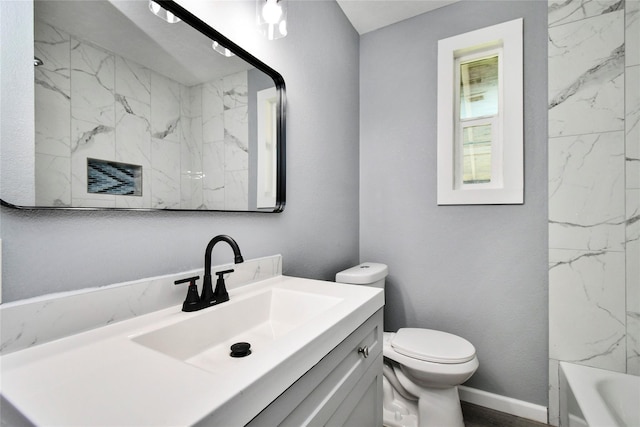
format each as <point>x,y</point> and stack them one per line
<point>318,394</point>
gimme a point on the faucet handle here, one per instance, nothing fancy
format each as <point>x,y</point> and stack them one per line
<point>220,294</point>
<point>192,302</point>
<point>221,273</point>
<point>191,280</point>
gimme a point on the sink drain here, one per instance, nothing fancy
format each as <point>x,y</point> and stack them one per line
<point>240,349</point>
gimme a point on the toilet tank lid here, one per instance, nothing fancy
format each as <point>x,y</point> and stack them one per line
<point>365,273</point>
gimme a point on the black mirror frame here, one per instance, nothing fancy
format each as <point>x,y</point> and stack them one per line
<point>213,34</point>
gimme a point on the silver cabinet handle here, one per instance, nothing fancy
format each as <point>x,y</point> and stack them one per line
<point>364,351</point>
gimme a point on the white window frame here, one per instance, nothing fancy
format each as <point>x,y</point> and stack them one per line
<point>507,176</point>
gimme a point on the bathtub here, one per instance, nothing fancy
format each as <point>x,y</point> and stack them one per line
<point>597,398</point>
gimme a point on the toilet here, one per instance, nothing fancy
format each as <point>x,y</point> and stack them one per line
<point>422,367</point>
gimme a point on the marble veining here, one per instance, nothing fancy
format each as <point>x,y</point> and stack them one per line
<point>235,89</point>
<point>586,75</point>
<point>565,11</point>
<point>610,66</point>
<point>88,137</point>
<point>51,45</point>
<point>33,321</point>
<point>52,113</point>
<point>586,192</point>
<point>93,83</point>
<point>133,80</point>
<point>44,80</point>
<point>590,330</point>
<point>169,129</point>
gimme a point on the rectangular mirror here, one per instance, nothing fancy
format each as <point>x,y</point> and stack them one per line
<point>135,112</point>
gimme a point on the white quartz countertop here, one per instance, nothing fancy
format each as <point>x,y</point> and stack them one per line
<point>104,378</point>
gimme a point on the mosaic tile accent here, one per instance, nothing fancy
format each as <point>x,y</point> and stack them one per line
<point>114,178</point>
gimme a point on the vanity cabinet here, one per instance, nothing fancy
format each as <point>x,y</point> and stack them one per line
<point>343,389</point>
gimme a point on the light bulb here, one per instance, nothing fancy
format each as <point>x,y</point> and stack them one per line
<point>171,18</point>
<point>271,17</point>
<point>154,7</point>
<point>221,49</point>
<point>271,11</point>
<point>162,13</point>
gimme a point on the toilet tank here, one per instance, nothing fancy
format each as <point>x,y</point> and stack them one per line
<point>367,273</point>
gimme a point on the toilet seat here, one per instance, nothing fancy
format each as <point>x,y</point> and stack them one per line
<point>457,370</point>
<point>432,346</point>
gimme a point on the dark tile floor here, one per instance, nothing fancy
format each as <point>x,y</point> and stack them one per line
<point>478,416</point>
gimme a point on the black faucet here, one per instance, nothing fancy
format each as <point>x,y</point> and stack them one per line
<point>209,296</point>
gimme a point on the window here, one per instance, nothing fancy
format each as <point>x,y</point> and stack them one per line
<point>477,119</point>
<point>480,116</point>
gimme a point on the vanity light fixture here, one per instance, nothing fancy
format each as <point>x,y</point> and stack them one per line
<point>161,12</point>
<point>271,18</point>
<point>222,50</point>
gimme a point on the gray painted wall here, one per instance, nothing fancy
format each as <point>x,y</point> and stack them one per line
<point>50,251</point>
<point>476,271</point>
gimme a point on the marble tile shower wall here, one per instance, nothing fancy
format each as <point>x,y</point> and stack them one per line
<point>594,187</point>
<point>217,128</point>
<point>190,141</point>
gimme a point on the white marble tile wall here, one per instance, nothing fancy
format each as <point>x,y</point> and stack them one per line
<point>213,144</point>
<point>236,141</point>
<point>35,321</point>
<point>133,142</point>
<point>562,11</point>
<point>594,278</point>
<point>191,149</point>
<point>225,141</point>
<point>632,156</point>
<point>191,142</point>
<point>52,113</point>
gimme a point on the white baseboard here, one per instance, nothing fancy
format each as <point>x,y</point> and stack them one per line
<point>516,407</point>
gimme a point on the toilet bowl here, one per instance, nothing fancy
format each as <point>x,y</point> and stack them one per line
<point>428,365</point>
<point>422,367</point>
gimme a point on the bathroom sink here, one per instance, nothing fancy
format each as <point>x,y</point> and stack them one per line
<point>204,338</point>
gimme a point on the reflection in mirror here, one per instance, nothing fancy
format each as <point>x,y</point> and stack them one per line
<point>134,112</point>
